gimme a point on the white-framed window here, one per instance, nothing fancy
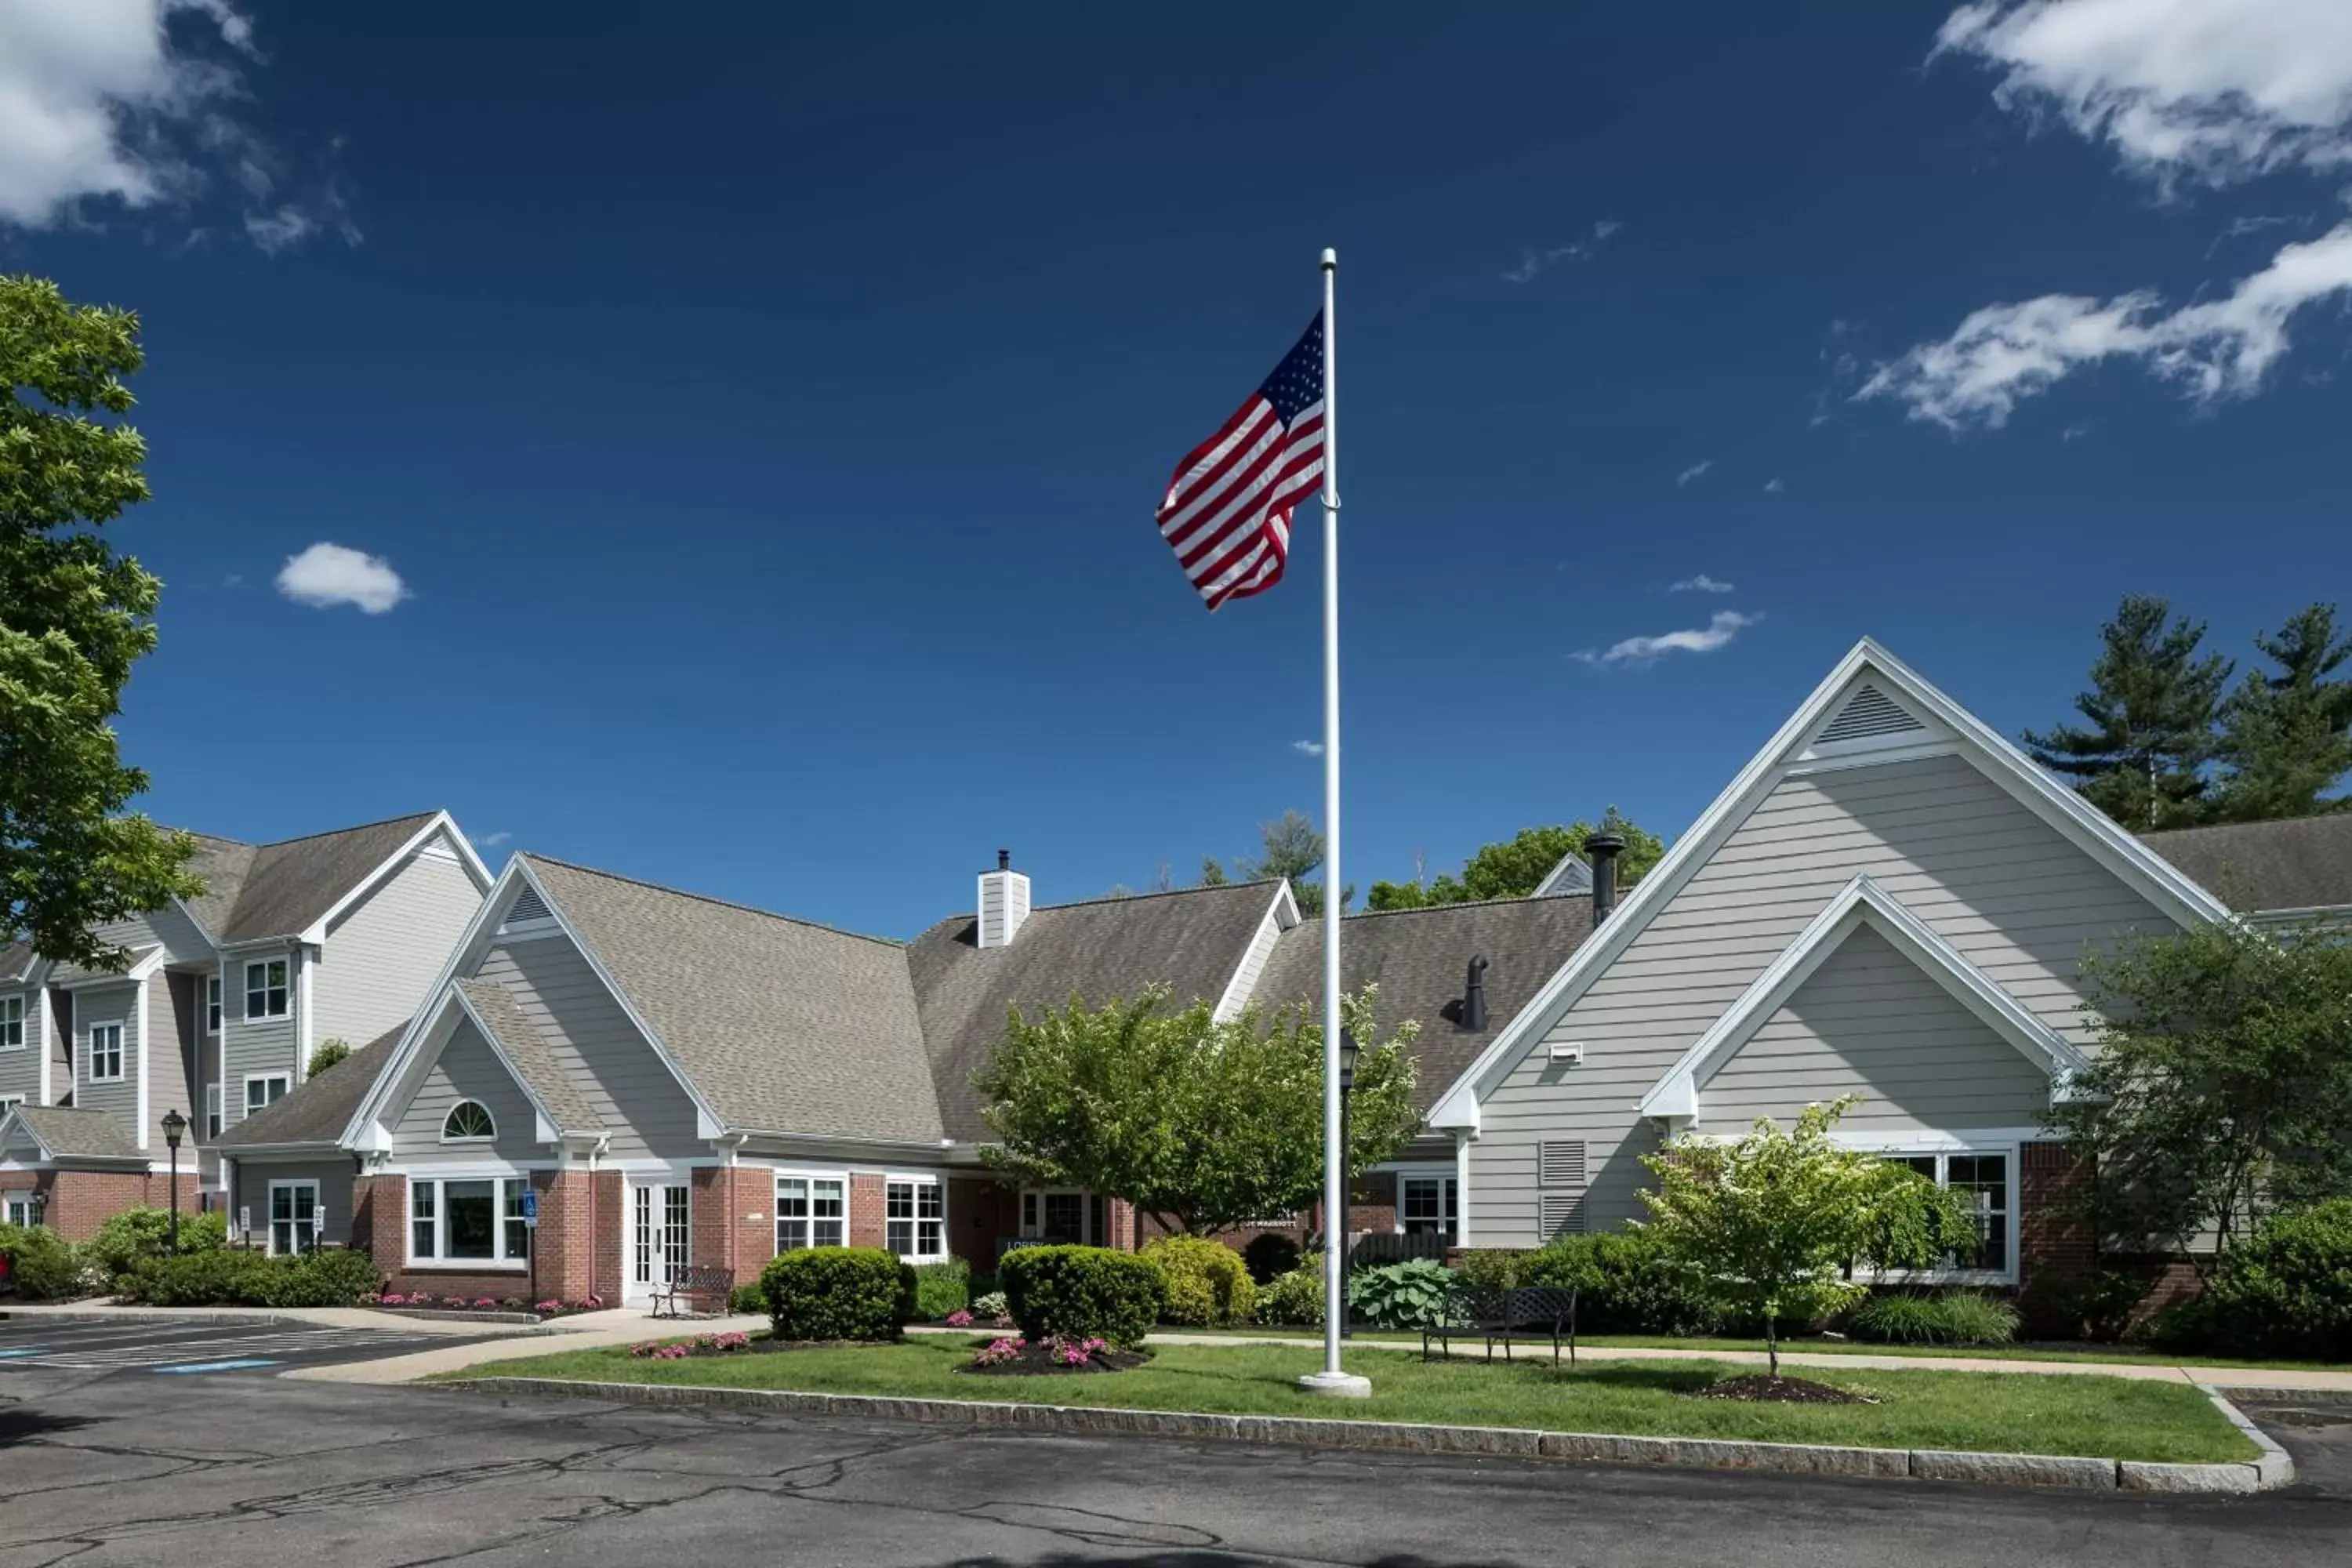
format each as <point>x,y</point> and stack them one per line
<point>264,1089</point>
<point>474,1220</point>
<point>1064,1214</point>
<point>469,1121</point>
<point>9,1102</point>
<point>24,1209</point>
<point>212,1111</point>
<point>295,1217</point>
<point>915,1218</point>
<point>212,1003</point>
<point>105,1053</point>
<point>265,988</point>
<point>1428,1205</point>
<point>812,1210</point>
<point>1985,1178</point>
<point>12,1022</point>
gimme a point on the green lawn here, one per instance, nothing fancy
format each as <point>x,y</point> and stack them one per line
<point>1993,1412</point>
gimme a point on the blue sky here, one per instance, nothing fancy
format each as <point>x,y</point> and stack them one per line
<point>762,419</point>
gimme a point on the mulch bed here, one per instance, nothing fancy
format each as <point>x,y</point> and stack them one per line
<point>1037,1359</point>
<point>1781,1390</point>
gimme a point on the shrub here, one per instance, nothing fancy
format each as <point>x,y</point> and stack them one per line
<point>1082,1293</point>
<point>1487,1268</point>
<point>1413,1294</point>
<point>749,1297</point>
<point>1296,1297</point>
<point>839,1293</point>
<point>942,1288</point>
<point>1624,1285</point>
<point>2285,1291</point>
<point>1961,1318</point>
<point>46,1268</point>
<point>1269,1256</point>
<point>1207,1283</point>
<point>145,1231</point>
<point>223,1278</point>
<point>992,1306</point>
<point>335,1277</point>
<point>2097,1306</point>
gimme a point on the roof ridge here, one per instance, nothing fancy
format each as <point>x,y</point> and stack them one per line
<point>707,899</point>
<point>1138,898</point>
<point>354,827</point>
<point>1464,904</point>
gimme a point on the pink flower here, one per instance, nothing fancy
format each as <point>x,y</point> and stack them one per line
<point>594,1303</point>
<point>730,1341</point>
<point>996,1353</point>
<point>959,1320</point>
<point>484,1304</point>
<point>547,1305</point>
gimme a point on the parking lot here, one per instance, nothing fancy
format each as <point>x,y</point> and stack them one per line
<point>197,1347</point>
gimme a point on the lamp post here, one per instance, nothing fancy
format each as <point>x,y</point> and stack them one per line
<point>174,1126</point>
<point>1337,1229</point>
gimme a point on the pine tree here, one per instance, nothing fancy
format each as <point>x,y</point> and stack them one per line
<point>2152,707</point>
<point>2286,739</point>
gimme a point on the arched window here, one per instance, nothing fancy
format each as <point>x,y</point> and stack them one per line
<point>469,1121</point>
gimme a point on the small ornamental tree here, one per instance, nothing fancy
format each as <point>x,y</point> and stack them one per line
<point>326,1054</point>
<point>1201,1124</point>
<point>1772,1225</point>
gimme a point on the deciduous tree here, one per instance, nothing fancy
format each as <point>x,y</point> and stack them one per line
<point>1516,867</point>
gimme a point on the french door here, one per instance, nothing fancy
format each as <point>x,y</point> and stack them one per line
<point>661,1235</point>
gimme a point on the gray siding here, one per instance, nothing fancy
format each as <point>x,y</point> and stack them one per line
<point>170,1059</point>
<point>610,1065</point>
<point>467,1069</point>
<point>20,1070</point>
<point>60,1022</point>
<point>169,927</point>
<point>333,1173</point>
<point>112,1004</point>
<point>257,1044</point>
<point>382,955</point>
<point>2001,886</point>
<point>1872,1022</point>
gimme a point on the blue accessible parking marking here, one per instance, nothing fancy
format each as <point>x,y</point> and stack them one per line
<point>216,1366</point>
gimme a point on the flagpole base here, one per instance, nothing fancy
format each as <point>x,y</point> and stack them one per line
<point>1336,1384</point>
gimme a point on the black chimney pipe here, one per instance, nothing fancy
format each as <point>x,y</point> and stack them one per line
<point>1603,848</point>
<point>1004,859</point>
<point>1474,995</point>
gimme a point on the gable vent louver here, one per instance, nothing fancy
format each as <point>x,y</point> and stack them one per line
<point>528,907</point>
<point>1868,714</point>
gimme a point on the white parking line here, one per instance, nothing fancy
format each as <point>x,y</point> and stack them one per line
<point>213,1348</point>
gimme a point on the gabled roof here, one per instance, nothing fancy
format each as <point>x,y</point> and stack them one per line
<point>527,1054</point>
<point>1190,941</point>
<point>66,1134</point>
<point>18,962</point>
<point>319,1107</point>
<point>775,1024</point>
<point>2304,863</point>
<point>137,963</point>
<point>1860,902</point>
<point>256,891</point>
<point>1572,875</point>
<point>1871,707</point>
<point>1421,960</point>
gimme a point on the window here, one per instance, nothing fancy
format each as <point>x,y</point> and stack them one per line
<point>24,1209</point>
<point>106,1053</point>
<point>212,1003</point>
<point>12,1022</point>
<point>9,1102</point>
<point>1983,1180</point>
<point>1427,1206</point>
<point>467,1220</point>
<point>469,1121</point>
<point>915,1219</point>
<point>811,1211</point>
<point>264,1089</point>
<point>294,1217</point>
<point>212,1112</point>
<point>1065,1216</point>
<point>265,989</point>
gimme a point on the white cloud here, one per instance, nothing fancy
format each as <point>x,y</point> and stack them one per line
<point>1702,583</point>
<point>490,840</point>
<point>2210,91</point>
<point>137,103</point>
<point>1719,630</point>
<point>1307,748</point>
<point>1533,261</point>
<point>2220,348</point>
<point>1774,487</point>
<point>2074,433</point>
<point>1693,471</point>
<point>329,574</point>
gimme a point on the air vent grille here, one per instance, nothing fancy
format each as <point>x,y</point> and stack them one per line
<point>1868,714</point>
<point>1561,1213</point>
<point>528,906</point>
<point>1560,1164</point>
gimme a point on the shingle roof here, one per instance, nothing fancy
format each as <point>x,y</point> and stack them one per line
<point>70,1134</point>
<point>1190,941</point>
<point>69,974</point>
<point>320,1108</point>
<point>533,1057</point>
<point>256,890</point>
<point>2300,864</point>
<point>784,1027</point>
<point>16,960</point>
<point>1420,959</point>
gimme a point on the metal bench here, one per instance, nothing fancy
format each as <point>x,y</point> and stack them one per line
<point>1498,1317</point>
<point>701,1281</point>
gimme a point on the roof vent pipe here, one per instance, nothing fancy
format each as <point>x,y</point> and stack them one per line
<point>1603,848</point>
<point>1474,995</point>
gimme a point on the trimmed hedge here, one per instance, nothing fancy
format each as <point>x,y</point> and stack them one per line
<point>838,1293</point>
<point>1083,1292</point>
<point>44,1267</point>
<point>1207,1283</point>
<point>942,1288</point>
<point>2285,1291</point>
<point>1959,1318</point>
<point>143,1232</point>
<point>227,1277</point>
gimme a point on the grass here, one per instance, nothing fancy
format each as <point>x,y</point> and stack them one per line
<point>2092,1416</point>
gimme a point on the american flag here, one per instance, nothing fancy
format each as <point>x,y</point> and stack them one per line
<point>1227,512</point>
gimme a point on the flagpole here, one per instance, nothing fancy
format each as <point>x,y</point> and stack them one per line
<point>1332,1379</point>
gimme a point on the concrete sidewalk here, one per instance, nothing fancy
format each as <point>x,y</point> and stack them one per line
<point>553,1339</point>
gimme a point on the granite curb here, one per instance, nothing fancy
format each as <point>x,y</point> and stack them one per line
<point>2273,1469</point>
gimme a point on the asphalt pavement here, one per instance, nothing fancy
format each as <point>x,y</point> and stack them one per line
<point>194,1349</point>
<point>108,1466</point>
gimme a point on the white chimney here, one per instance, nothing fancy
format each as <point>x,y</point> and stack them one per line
<point>1003,902</point>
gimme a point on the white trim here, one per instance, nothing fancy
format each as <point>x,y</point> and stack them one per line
<point>935,1180</point>
<point>156,958</point>
<point>88,1074</point>
<point>469,1138</point>
<point>253,1078</point>
<point>807,1221</point>
<point>216,1008</point>
<point>269,1213</point>
<point>441,822</point>
<point>144,1054</point>
<point>24,1018</point>
<point>47,1048</point>
<point>248,1016</point>
<point>2139,866</point>
<point>1860,902</point>
<point>1461,1182</point>
<point>547,1128</point>
<point>500,1263</point>
<point>306,959</point>
<point>1266,933</point>
<point>2004,1142</point>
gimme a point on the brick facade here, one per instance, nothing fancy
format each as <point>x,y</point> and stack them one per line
<point>734,1219</point>
<point>866,1213</point>
<point>76,1202</point>
<point>980,1211</point>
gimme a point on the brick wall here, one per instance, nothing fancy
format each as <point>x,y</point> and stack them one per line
<point>78,1202</point>
<point>611,1224</point>
<point>866,1209</point>
<point>734,1219</point>
<point>980,1210</point>
<point>566,1240</point>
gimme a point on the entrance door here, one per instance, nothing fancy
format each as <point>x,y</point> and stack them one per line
<point>662,1234</point>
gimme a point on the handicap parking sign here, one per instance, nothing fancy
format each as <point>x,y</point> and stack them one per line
<point>530,1206</point>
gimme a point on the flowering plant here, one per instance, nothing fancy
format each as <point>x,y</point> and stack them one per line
<point>1075,1353</point>
<point>546,1307</point>
<point>594,1303</point>
<point>458,1301</point>
<point>653,1350</point>
<point>733,1340</point>
<point>486,1304</point>
<point>959,1318</point>
<point>996,1353</point>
